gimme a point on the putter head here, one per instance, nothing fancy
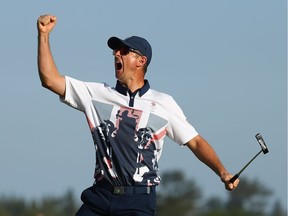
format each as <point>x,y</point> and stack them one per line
<point>262,143</point>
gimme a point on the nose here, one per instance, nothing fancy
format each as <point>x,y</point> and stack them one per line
<point>116,53</point>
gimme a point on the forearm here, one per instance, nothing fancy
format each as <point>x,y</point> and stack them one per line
<point>46,66</point>
<point>48,72</point>
<point>205,153</point>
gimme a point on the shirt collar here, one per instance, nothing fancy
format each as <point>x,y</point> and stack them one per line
<point>123,90</point>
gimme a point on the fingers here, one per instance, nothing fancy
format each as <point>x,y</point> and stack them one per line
<point>46,23</point>
<point>228,185</point>
<point>46,19</point>
<point>231,186</point>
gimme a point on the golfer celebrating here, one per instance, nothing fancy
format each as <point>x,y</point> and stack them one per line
<point>128,124</point>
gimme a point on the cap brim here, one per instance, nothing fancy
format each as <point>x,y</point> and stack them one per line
<point>114,43</point>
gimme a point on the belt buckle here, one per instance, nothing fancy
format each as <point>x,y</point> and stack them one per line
<point>118,190</point>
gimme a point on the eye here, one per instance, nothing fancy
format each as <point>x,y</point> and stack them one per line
<point>124,50</point>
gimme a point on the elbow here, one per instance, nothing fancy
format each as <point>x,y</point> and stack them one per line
<point>43,84</point>
<point>46,84</point>
<point>54,84</point>
<point>44,80</point>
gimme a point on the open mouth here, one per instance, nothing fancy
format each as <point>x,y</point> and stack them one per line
<point>118,65</point>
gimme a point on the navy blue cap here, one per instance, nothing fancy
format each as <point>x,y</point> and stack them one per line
<point>133,42</point>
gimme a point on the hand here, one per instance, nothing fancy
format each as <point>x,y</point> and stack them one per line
<point>46,23</point>
<point>226,180</point>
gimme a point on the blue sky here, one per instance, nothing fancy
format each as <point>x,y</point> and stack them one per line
<point>224,62</point>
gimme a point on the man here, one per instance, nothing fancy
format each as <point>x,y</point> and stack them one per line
<point>128,125</point>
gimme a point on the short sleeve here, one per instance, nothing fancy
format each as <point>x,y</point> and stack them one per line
<point>179,129</point>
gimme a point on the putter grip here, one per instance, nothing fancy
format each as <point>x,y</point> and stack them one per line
<point>234,178</point>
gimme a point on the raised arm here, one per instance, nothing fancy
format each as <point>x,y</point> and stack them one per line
<point>205,153</point>
<point>48,72</point>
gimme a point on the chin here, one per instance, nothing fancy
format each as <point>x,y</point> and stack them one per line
<point>118,73</point>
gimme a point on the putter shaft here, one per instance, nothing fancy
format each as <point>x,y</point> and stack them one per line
<point>238,174</point>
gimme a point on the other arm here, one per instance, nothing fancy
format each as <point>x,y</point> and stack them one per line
<point>205,153</point>
<point>48,72</point>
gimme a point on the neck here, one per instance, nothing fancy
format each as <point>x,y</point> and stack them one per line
<point>134,82</point>
<point>133,85</point>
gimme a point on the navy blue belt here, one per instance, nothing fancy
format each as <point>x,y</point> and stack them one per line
<point>120,190</point>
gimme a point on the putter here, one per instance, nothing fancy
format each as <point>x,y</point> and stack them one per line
<point>264,149</point>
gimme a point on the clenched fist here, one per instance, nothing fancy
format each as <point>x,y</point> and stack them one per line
<point>46,23</point>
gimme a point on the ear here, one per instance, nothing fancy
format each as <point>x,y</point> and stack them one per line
<point>142,60</point>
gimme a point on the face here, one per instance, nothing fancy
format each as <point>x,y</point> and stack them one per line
<point>126,62</point>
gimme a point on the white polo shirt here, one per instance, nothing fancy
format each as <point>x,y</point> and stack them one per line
<point>128,129</point>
